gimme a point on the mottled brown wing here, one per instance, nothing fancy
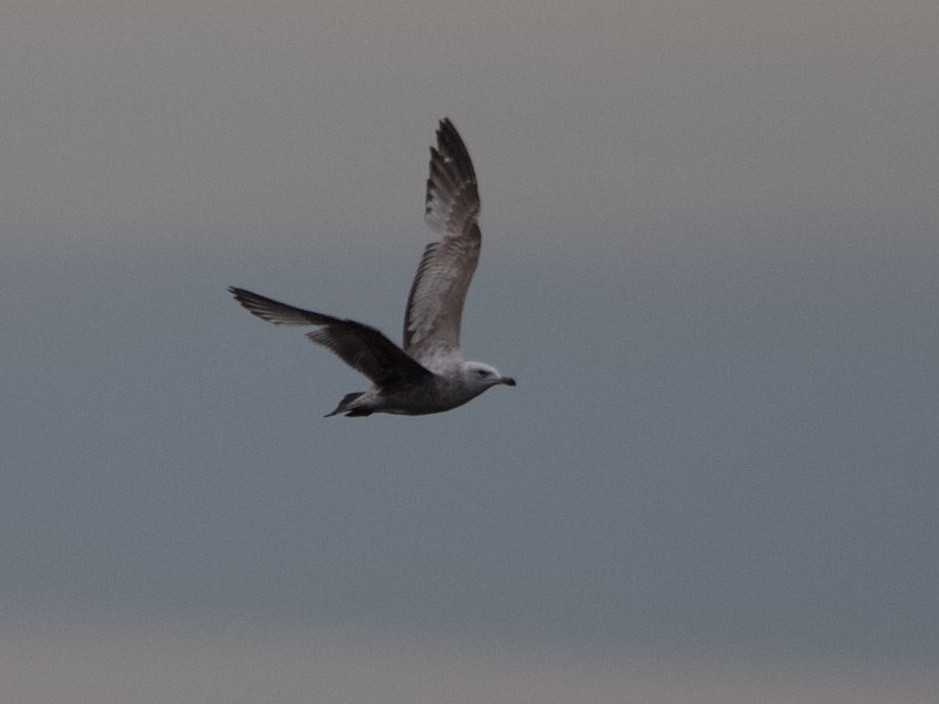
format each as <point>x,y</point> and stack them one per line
<point>435,304</point>
<point>363,348</point>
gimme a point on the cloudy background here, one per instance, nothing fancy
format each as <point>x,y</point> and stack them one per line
<point>710,260</point>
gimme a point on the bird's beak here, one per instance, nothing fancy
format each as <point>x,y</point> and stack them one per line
<point>508,381</point>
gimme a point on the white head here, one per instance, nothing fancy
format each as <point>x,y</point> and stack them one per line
<point>479,376</point>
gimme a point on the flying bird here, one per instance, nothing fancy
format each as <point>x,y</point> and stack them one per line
<point>428,374</point>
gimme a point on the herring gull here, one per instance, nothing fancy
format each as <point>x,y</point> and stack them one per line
<point>428,374</point>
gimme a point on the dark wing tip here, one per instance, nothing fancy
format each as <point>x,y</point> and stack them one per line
<point>243,296</point>
<point>276,312</point>
<point>450,145</point>
<point>451,198</point>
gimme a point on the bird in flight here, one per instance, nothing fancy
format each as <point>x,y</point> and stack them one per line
<point>428,374</point>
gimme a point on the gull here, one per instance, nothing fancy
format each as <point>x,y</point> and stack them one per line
<point>428,374</point>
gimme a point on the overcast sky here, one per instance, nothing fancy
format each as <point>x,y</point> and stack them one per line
<point>710,260</point>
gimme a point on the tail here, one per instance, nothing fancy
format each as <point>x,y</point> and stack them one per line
<point>347,406</point>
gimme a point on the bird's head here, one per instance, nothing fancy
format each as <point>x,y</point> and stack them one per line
<point>481,376</point>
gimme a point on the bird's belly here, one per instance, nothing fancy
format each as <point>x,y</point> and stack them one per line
<point>433,398</point>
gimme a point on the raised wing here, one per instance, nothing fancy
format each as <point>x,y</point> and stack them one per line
<point>363,348</point>
<point>435,303</point>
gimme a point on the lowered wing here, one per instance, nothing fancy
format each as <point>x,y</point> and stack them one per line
<point>363,348</point>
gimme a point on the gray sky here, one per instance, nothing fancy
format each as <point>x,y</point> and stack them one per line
<point>710,260</point>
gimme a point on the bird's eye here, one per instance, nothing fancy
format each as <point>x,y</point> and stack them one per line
<point>482,372</point>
